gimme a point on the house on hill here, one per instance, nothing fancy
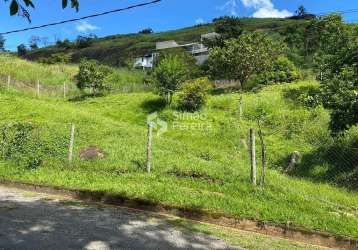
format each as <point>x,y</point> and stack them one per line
<point>197,49</point>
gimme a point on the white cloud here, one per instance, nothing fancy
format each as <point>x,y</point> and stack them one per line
<point>230,6</point>
<point>84,27</point>
<point>199,21</point>
<point>265,8</point>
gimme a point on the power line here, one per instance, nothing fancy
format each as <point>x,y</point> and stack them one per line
<point>82,18</point>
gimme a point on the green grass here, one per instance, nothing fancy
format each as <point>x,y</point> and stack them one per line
<point>117,124</point>
<point>52,77</point>
<point>247,240</point>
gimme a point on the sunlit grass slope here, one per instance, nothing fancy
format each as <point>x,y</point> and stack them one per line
<point>201,162</point>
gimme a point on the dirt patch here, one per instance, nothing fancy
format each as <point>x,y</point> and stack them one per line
<point>91,152</point>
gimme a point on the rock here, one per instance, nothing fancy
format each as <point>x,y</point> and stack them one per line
<point>91,152</point>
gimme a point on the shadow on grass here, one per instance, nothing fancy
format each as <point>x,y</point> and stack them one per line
<point>84,97</point>
<point>334,164</point>
<point>154,105</point>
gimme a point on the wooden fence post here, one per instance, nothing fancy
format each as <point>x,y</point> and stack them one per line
<point>253,156</point>
<point>72,140</point>
<point>38,88</point>
<point>8,82</point>
<point>240,108</point>
<point>64,90</point>
<point>263,156</point>
<point>149,147</point>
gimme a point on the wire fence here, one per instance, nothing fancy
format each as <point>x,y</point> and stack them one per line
<point>67,90</point>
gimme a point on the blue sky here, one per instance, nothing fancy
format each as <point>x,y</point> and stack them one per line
<point>167,15</point>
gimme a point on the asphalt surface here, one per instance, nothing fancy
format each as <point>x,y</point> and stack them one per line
<point>39,221</point>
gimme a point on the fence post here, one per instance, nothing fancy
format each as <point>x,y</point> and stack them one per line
<point>38,88</point>
<point>149,147</point>
<point>240,108</point>
<point>64,90</point>
<point>253,156</point>
<point>263,156</point>
<point>72,140</point>
<point>8,82</point>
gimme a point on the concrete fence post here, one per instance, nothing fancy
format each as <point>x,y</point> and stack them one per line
<point>149,147</point>
<point>253,156</point>
<point>72,140</point>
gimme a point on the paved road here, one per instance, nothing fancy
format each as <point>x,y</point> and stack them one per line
<point>37,221</point>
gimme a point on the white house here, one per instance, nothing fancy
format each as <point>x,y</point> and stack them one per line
<point>197,49</point>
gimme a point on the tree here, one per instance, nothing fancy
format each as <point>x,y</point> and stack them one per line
<point>21,50</point>
<point>228,28</point>
<point>85,41</point>
<point>240,58</point>
<point>146,31</point>
<point>92,75</point>
<point>339,85</point>
<point>169,75</point>
<point>21,7</point>
<point>2,43</point>
<point>33,42</point>
<point>301,11</point>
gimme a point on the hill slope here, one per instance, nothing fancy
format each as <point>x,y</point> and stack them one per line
<point>118,50</point>
<point>201,162</point>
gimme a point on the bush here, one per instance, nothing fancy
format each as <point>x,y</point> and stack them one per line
<point>56,58</point>
<point>92,75</point>
<point>85,41</point>
<point>20,143</point>
<point>194,94</point>
<point>283,71</point>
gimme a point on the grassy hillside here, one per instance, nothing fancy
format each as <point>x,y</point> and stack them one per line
<point>53,76</point>
<point>119,50</point>
<point>201,162</point>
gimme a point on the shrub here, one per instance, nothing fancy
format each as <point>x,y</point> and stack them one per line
<point>92,75</point>
<point>283,70</point>
<point>20,144</point>
<point>194,94</point>
<point>56,58</point>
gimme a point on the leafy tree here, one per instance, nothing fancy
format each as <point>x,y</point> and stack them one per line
<point>92,75</point>
<point>169,74</point>
<point>2,43</point>
<point>33,42</point>
<point>301,11</point>
<point>66,44</point>
<point>85,41</point>
<point>340,87</point>
<point>21,50</point>
<point>241,58</point>
<point>21,7</point>
<point>146,31</point>
<point>228,28</point>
